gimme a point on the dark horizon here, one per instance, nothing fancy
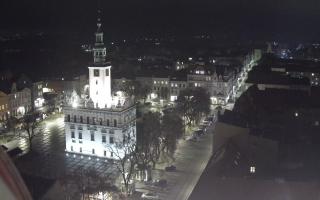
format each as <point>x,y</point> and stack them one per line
<point>288,20</point>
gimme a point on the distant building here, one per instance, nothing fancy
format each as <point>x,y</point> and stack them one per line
<point>4,107</point>
<point>19,101</point>
<point>96,123</point>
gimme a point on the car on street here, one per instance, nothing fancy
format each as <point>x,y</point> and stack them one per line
<point>149,195</point>
<point>171,168</point>
<point>199,132</point>
<point>160,183</point>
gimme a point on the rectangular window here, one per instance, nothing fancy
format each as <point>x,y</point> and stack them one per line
<point>80,135</point>
<point>81,119</point>
<point>92,136</point>
<point>111,154</point>
<point>80,149</point>
<point>107,72</point>
<point>93,120</point>
<point>93,151</point>
<point>71,148</point>
<point>96,72</point>
<point>111,140</point>
<point>104,153</point>
<point>108,122</point>
<point>88,120</point>
<point>74,118</point>
<point>68,118</point>
<point>103,139</point>
<point>100,121</point>
<point>115,123</point>
<point>72,134</point>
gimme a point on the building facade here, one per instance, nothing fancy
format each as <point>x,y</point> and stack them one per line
<point>96,125</point>
<point>19,102</point>
<point>4,107</point>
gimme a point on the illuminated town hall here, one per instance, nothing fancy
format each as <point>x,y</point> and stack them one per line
<point>94,124</point>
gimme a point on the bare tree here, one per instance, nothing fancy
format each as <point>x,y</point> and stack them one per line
<point>124,153</point>
<point>193,104</point>
<point>172,130</point>
<point>30,127</point>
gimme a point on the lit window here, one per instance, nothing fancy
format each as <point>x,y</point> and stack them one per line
<point>252,169</point>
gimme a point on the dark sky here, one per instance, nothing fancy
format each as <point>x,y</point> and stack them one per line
<point>272,16</point>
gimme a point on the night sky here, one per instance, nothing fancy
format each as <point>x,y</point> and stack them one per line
<point>284,17</point>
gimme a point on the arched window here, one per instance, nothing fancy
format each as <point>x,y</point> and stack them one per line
<point>115,123</point>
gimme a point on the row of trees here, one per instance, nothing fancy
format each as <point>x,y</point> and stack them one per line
<point>193,104</point>
<point>157,135</point>
<point>157,138</point>
<point>136,89</point>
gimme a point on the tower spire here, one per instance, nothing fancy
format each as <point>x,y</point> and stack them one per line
<point>99,50</point>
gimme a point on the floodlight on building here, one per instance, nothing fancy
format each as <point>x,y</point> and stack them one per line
<point>252,169</point>
<point>74,104</point>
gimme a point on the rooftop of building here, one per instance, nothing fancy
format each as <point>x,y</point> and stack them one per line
<point>259,76</point>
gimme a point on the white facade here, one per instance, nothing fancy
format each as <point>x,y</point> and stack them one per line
<point>95,131</point>
<point>96,125</point>
<point>100,86</point>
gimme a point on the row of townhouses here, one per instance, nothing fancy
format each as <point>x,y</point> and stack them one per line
<point>17,98</point>
<point>221,81</point>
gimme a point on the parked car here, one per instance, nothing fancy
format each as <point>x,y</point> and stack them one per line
<point>160,183</point>
<point>171,168</point>
<point>199,132</point>
<point>149,195</point>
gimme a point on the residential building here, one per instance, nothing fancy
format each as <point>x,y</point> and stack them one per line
<point>19,101</point>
